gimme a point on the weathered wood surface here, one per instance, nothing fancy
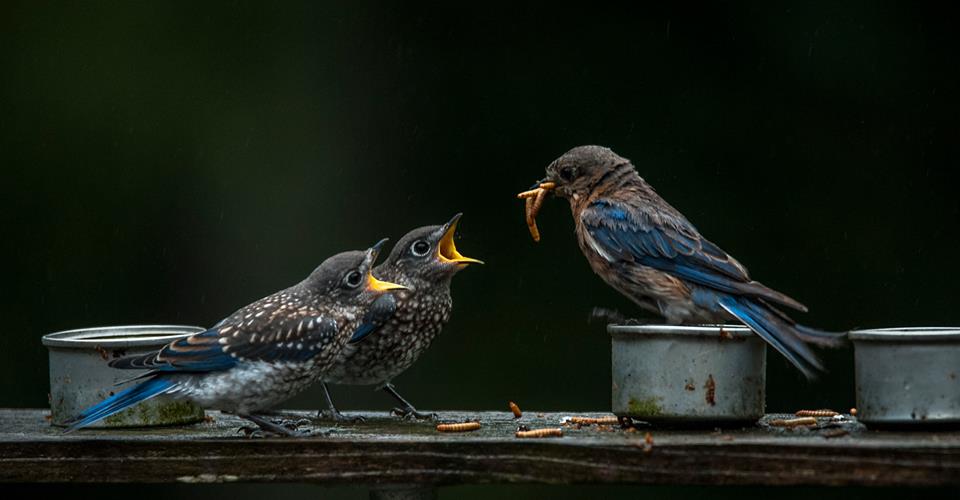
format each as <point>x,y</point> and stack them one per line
<point>384,450</point>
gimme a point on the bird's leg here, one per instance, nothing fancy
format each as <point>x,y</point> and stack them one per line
<point>274,428</point>
<point>331,412</point>
<point>407,411</point>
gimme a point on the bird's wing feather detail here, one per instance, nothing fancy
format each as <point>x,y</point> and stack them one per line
<point>670,244</point>
<point>298,337</point>
<point>379,313</point>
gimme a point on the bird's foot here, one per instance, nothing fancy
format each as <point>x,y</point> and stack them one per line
<point>279,427</point>
<point>411,413</point>
<point>338,417</point>
<point>291,423</point>
<point>606,315</point>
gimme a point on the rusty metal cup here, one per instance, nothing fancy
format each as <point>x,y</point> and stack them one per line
<point>688,375</point>
<point>907,376</point>
<point>80,377</point>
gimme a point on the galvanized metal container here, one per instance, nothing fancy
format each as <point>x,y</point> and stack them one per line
<point>80,377</point>
<point>907,376</point>
<point>688,375</point>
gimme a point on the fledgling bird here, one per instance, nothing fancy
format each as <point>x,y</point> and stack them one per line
<point>263,353</point>
<point>648,251</point>
<point>425,261</point>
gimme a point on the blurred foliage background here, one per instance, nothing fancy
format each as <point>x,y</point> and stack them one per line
<point>169,162</point>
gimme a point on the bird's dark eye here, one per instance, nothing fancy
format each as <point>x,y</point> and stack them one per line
<point>353,279</point>
<point>567,173</point>
<point>420,248</point>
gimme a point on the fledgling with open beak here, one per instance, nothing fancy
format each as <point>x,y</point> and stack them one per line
<point>424,261</point>
<point>265,352</point>
<point>648,251</point>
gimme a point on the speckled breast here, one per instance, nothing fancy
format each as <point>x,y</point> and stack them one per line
<point>396,345</point>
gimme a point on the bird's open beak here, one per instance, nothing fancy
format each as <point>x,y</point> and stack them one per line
<point>375,285</point>
<point>447,249</point>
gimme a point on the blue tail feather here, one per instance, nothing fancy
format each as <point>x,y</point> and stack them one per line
<point>782,335</point>
<point>119,402</point>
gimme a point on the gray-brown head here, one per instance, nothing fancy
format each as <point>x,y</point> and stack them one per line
<point>579,171</point>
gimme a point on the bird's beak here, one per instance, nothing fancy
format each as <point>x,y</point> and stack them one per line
<point>375,249</point>
<point>447,249</point>
<point>375,285</point>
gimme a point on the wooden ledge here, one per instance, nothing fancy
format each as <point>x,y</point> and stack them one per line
<point>384,450</point>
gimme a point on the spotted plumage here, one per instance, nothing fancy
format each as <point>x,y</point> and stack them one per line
<point>647,250</point>
<point>425,261</point>
<point>263,353</point>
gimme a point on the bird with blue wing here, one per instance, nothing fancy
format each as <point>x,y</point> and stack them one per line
<point>264,353</point>
<point>405,323</point>
<point>648,251</point>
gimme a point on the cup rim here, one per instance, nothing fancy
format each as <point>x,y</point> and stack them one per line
<point>739,331</point>
<point>121,336</point>
<point>908,334</point>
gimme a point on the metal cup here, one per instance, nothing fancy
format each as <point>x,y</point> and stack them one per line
<point>80,377</point>
<point>907,376</point>
<point>688,374</point>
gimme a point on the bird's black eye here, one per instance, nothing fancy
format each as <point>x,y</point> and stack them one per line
<point>567,173</point>
<point>420,248</point>
<point>353,279</point>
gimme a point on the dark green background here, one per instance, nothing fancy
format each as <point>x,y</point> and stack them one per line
<point>169,162</point>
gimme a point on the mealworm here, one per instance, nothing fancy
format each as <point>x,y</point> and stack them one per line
<point>816,413</point>
<point>516,410</point>
<point>531,222</point>
<point>458,427</point>
<point>793,422</point>
<point>528,194</point>
<point>608,420</point>
<point>540,433</point>
<point>538,201</point>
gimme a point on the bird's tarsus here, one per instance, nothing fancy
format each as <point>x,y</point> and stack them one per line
<point>406,410</point>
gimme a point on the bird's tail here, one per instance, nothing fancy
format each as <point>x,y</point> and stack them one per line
<point>119,402</point>
<point>785,335</point>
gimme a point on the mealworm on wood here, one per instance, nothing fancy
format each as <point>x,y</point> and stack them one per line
<point>793,422</point>
<point>516,410</point>
<point>816,413</point>
<point>540,433</point>
<point>458,427</point>
<point>608,420</point>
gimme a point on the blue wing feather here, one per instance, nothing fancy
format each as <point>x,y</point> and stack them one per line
<point>671,244</point>
<point>379,313</point>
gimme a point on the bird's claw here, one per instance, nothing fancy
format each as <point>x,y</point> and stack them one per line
<point>411,413</point>
<point>338,417</point>
<point>250,431</point>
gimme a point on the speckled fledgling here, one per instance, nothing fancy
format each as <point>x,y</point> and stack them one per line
<point>424,261</point>
<point>265,352</point>
<point>648,251</point>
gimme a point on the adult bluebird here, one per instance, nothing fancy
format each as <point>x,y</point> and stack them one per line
<point>424,261</point>
<point>649,252</point>
<point>265,352</point>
